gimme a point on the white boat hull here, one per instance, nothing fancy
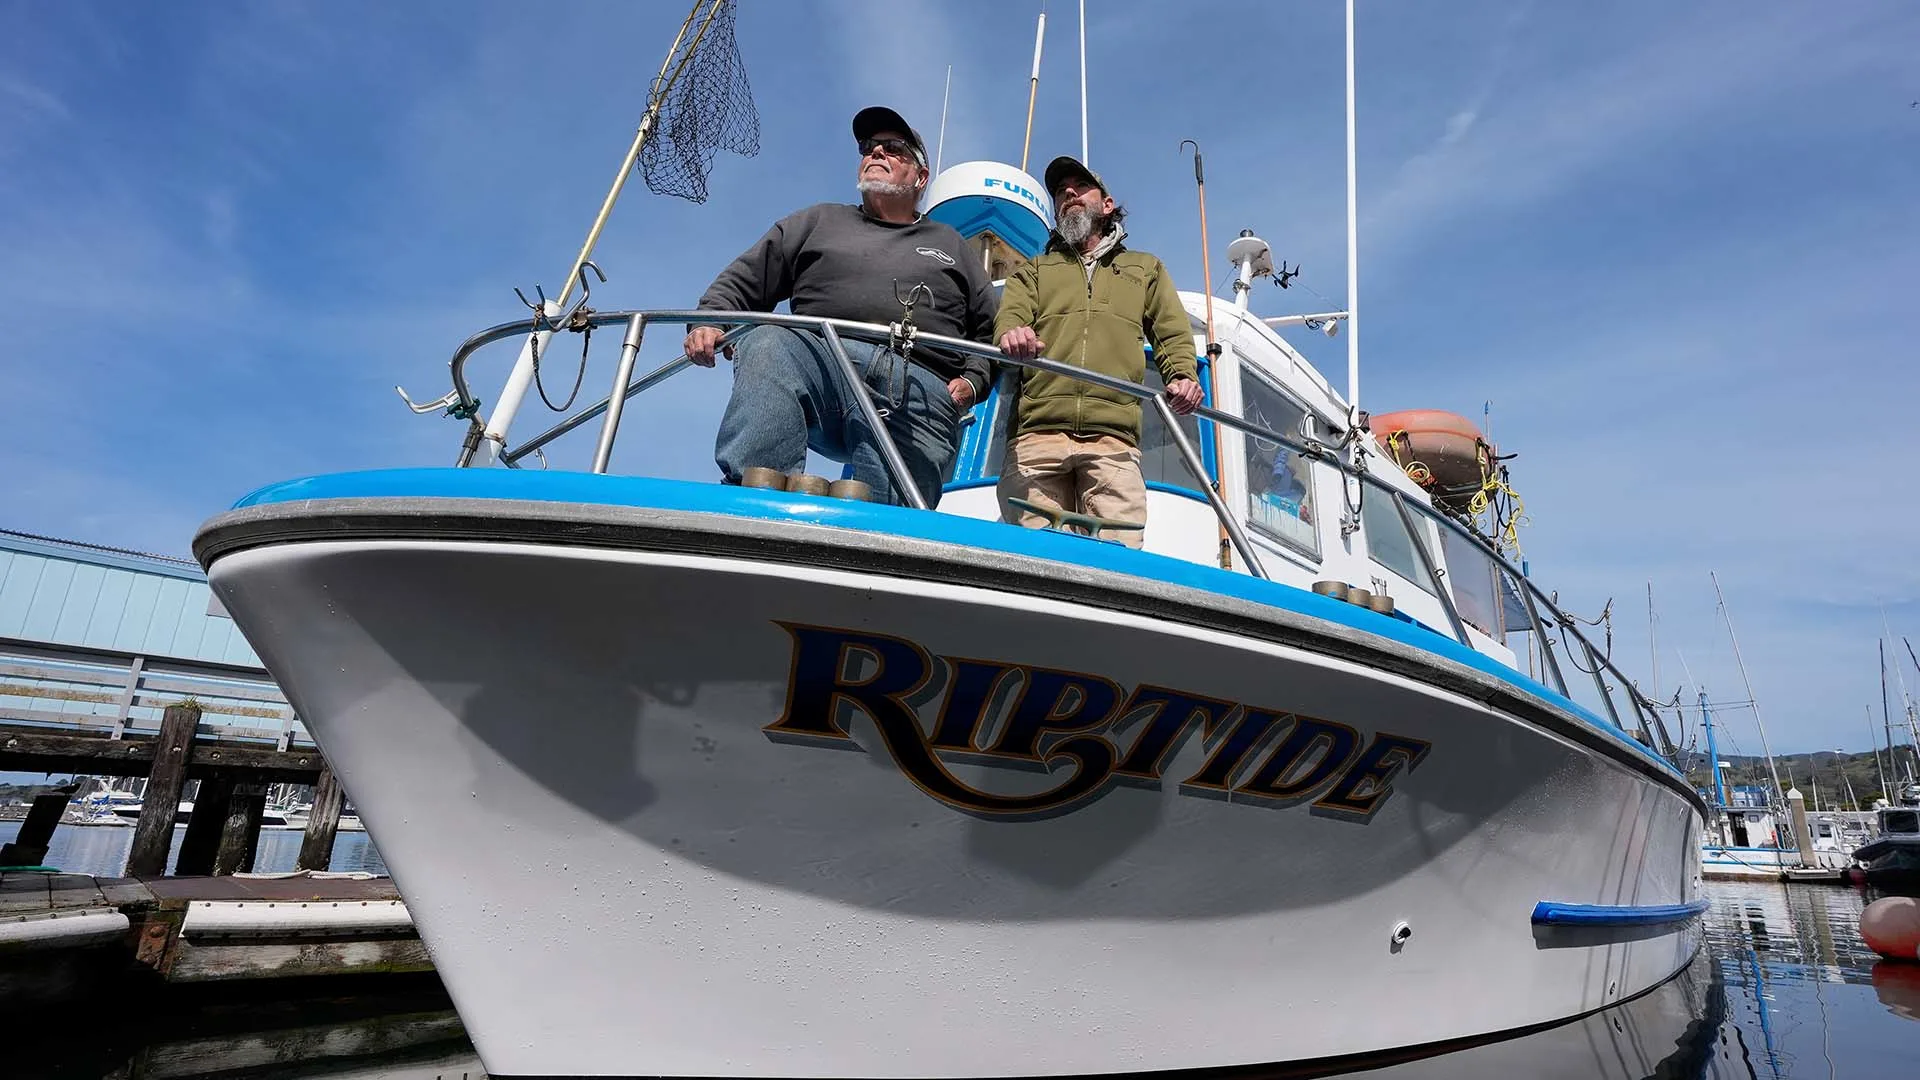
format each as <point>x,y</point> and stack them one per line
<point>640,837</point>
<point>1726,863</point>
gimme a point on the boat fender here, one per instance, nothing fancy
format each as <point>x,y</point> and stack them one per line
<point>1891,927</point>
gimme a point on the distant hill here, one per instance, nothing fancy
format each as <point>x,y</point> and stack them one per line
<point>1829,771</point>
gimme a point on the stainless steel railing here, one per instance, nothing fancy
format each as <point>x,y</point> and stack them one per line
<point>462,403</point>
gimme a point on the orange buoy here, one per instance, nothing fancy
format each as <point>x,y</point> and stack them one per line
<point>1891,927</point>
<point>1442,451</point>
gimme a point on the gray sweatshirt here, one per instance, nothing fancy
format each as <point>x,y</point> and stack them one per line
<point>834,261</point>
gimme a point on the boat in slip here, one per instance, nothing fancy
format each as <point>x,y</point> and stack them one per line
<point>693,779</point>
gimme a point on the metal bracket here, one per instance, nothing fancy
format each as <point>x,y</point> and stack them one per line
<point>447,401</point>
<point>902,333</point>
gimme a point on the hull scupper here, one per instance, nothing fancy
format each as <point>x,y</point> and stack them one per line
<point>689,796</point>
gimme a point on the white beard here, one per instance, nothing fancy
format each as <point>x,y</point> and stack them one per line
<point>885,187</point>
<point>1076,225</point>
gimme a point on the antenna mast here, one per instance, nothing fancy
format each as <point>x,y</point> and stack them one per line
<point>1033,86</point>
<point>1083,83</point>
<point>941,147</point>
<point>1353,241</point>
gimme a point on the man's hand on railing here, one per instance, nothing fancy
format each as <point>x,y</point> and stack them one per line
<point>701,342</point>
<point>1021,343</point>
<point>1183,394</point>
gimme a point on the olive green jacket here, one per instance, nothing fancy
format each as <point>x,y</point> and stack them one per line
<point>1098,321</point>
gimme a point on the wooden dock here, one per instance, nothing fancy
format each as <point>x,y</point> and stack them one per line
<point>104,713</point>
<point>62,933</point>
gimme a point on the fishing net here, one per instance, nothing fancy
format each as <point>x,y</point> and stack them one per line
<point>705,106</point>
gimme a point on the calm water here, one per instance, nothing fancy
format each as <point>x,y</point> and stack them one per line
<point>1784,989</point>
<point>101,850</point>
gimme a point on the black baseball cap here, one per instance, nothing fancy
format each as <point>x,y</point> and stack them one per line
<point>875,119</point>
<point>1063,166</point>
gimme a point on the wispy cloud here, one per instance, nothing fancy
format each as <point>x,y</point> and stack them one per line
<point>1536,139</point>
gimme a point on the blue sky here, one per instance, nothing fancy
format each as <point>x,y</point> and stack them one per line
<point>1675,249</point>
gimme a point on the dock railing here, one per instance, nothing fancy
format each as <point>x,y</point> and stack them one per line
<point>121,695</point>
<point>1613,696</point>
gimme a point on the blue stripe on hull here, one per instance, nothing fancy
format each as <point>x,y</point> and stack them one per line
<point>681,495</point>
<point>1549,913</point>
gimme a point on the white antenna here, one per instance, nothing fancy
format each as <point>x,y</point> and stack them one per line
<point>1083,83</point>
<point>941,147</point>
<point>1353,240</point>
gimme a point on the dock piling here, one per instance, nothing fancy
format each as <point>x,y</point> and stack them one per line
<point>204,826</point>
<point>153,836</point>
<point>29,848</point>
<point>241,834</point>
<point>323,821</point>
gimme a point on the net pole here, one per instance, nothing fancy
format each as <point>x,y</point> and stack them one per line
<point>494,437</point>
<point>656,100</point>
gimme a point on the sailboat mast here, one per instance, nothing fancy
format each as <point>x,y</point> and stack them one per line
<point>1875,743</point>
<point>1713,754</point>
<point>1913,726</point>
<point>1886,719</point>
<point>1778,791</point>
<point>1653,641</point>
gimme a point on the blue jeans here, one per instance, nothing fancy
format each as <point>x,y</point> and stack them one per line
<point>789,395</point>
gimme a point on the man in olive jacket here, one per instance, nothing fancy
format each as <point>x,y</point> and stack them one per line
<point>1088,301</point>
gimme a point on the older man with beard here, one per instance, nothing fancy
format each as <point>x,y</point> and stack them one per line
<point>845,262</point>
<point>1091,302</point>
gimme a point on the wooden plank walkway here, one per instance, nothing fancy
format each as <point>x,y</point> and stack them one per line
<point>38,892</point>
<point>42,893</point>
<point>324,933</point>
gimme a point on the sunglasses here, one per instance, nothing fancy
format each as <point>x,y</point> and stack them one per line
<point>899,148</point>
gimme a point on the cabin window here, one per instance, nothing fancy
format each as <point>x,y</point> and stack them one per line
<point>1475,581</point>
<point>1279,480</point>
<point>1388,542</point>
<point>1899,821</point>
<point>1160,460</point>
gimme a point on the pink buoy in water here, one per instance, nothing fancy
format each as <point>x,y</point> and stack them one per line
<point>1891,927</point>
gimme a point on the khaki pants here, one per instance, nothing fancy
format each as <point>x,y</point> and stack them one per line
<point>1096,474</point>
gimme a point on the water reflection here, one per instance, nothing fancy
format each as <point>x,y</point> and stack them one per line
<point>101,850</point>
<point>1806,996</point>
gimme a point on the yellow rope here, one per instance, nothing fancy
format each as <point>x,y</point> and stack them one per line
<point>1504,533</point>
<point>1492,483</point>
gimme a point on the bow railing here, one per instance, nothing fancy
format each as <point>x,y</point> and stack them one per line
<point>1620,702</point>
